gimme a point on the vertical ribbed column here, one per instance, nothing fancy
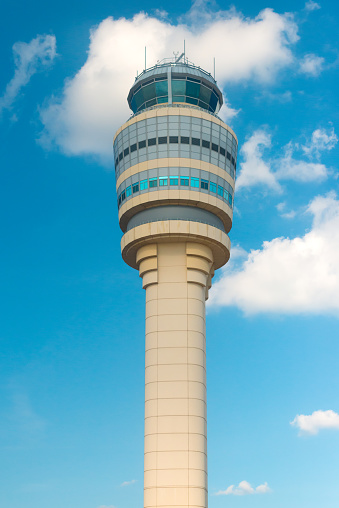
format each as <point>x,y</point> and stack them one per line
<point>176,277</point>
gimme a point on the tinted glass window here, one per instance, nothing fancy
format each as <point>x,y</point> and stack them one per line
<point>196,141</point>
<point>205,94</point>
<point>149,91</point>
<point>161,88</point>
<point>142,144</point>
<point>173,139</point>
<point>178,87</point>
<point>184,140</point>
<point>205,144</point>
<point>162,140</point>
<point>133,147</point>
<point>192,89</point>
<point>152,141</point>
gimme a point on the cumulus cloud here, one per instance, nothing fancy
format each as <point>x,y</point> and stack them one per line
<point>281,207</point>
<point>312,6</point>
<point>257,168</point>
<point>288,276</point>
<point>318,420</point>
<point>312,65</point>
<point>29,58</point>
<point>93,103</point>
<point>243,489</point>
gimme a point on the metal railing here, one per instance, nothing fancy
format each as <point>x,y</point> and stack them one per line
<point>165,62</point>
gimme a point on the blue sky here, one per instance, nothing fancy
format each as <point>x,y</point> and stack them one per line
<point>72,320</point>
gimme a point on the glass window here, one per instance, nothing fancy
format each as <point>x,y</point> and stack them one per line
<point>222,151</point>
<point>142,144</point>
<point>174,180</point>
<point>178,98</point>
<point>205,144</point>
<point>149,91</point>
<point>119,200</point>
<point>213,187</point>
<point>163,99</point>
<point>153,182</point>
<point>120,156</point>
<point>143,184</point>
<point>185,140</point>
<point>178,87</point>
<point>230,199</point>
<point>123,195</point>
<point>116,161</point>
<point>133,147</point>
<point>162,140</point>
<point>220,191</point>
<point>205,94</point>
<point>138,99</point>
<point>173,139</point>
<point>161,88</point>
<point>194,182</point>
<point>213,100</point>
<point>225,194</point>
<point>214,147</point>
<point>192,100</point>
<point>163,181</point>
<point>229,156</point>
<point>196,141</point>
<point>233,161</point>
<point>128,191</point>
<point>126,152</point>
<point>204,184</point>
<point>184,180</point>
<point>135,187</point>
<point>152,141</point>
<point>192,89</point>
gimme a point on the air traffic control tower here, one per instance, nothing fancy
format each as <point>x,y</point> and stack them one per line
<point>175,163</point>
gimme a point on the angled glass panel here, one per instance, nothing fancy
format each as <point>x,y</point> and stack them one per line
<point>205,94</point>
<point>192,89</point>
<point>149,91</point>
<point>139,98</point>
<point>178,87</point>
<point>161,88</point>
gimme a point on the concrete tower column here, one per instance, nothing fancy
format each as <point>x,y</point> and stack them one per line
<point>176,277</point>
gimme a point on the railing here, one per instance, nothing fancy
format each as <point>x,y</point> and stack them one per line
<point>165,62</point>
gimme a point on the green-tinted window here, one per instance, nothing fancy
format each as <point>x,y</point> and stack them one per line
<point>178,87</point>
<point>194,182</point>
<point>213,187</point>
<point>192,89</point>
<point>184,181</point>
<point>162,181</point>
<point>143,184</point>
<point>153,182</point>
<point>179,98</point>
<point>161,88</point>
<point>174,180</point>
<point>163,99</point>
<point>128,191</point>
<point>205,94</point>
<point>213,101</point>
<point>139,98</point>
<point>149,91</point>
<point>192,100</point>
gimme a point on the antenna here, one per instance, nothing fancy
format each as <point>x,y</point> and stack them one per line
<point>184,50</point>
<point>145,57</point>
<point>214,67</point>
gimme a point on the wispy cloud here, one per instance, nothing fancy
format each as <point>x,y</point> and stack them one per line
<point>244,489</point>
<point>312,6</point>
<point>288,275</point>
<point>318,420</point>
<point>126,484</point>
<point>29,58</point>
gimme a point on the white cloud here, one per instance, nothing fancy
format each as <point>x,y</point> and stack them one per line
<point>281,207</point>
<point>288,276</point>
<point>93,103</point>
<point>312,64</point>
<point>243,489</point>
<point>126,484</point>
<point>256,168</point>
<point>29,58</point>
<point>318,420</point>
<point>312,6</point>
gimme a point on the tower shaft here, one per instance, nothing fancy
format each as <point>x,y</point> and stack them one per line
<point>176,276</point>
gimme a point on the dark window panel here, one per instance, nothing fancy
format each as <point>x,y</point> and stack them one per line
<point>135,187</point>
<point>162,140</point>
<point>120,156</point>
<point>196,141</point>
<point>133,147</point>
<point>142,144</point>
<point>214,147</point>
<point>173,139</point>
<point>116,161</point>
<point>205,144</point>
<point>222,151</point>
<point>184,140</point>
<point>152,141</point>
<point>229,156</point>
<point>126,152</point>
